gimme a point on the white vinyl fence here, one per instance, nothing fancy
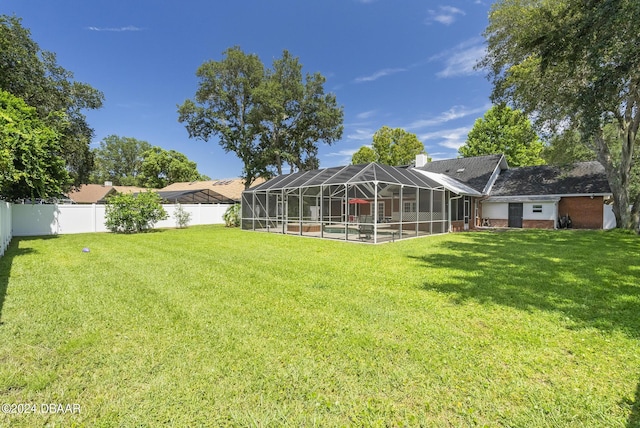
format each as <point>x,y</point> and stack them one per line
<point>37,220</point>
<point>5,226</point>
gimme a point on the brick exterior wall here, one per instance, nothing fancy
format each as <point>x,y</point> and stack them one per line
<point>498,222</point>
<point>538,224</point>
<point>585,213</point>
<point>458,225</point>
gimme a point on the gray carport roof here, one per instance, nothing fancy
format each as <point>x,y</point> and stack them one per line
<point>350,174</point>
<point>197,196</point>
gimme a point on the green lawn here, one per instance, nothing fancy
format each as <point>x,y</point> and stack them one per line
<point>209,326</point>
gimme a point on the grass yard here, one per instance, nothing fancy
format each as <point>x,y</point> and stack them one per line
<point>209,326</point>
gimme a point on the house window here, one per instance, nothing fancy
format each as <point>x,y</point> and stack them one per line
<point>537,208</point>
<point>409,207</point>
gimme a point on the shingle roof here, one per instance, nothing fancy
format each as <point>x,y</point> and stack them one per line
<point>92,193</point>
<point>475,172</point>
<point>129,189</point>
<point>580,178</point>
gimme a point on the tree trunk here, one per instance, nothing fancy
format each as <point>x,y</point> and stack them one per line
<point>635,214</point>
<point>618,178</point>
<point>278,163</point>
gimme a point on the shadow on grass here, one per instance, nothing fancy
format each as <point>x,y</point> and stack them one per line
<point>14,250</point>
<point>591,278</point>
<point>634,418</point>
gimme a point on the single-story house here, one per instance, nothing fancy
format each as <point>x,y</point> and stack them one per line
<point>378,203</point>
<point>97,193</point>
<point>549,197</point>
<point>226,191</point>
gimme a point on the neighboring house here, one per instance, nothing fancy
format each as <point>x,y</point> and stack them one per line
<point>227,191</point>
<point>97,193</point>
<point>541,196</point>
<point>377,203</point>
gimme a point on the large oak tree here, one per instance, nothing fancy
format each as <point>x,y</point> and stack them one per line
<point>268,118</point>
<point>574,64</point>
<point>295,114</point>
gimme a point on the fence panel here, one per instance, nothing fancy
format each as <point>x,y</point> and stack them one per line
<point>34,220</point>
<point>5,226</point>
<point>200,214</point>
<point>38,220</point>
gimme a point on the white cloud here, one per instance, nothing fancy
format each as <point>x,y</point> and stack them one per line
<point>378,74</point>
<point>339,158</point>
<point>116,29</point>
<point>446,15</point>
<point>449,138</point>
<point>361,135</point>
<point>343,153</point>
<point>366,114</point>
<point>455,112</point>
<point>461,60</point>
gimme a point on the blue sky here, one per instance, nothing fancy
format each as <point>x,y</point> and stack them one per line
<point>400,63</point>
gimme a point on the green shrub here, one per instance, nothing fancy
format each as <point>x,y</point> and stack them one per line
<point>232,216</point>
<point>127,213</point>
<point>182,217</point>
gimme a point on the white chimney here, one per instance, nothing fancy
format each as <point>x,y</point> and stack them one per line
<point>421,160</point>
<point>108,184</point>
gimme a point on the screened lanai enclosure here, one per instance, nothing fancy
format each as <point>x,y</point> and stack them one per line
<point>364,203</point>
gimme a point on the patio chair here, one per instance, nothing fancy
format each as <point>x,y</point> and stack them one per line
<point>365,227</point>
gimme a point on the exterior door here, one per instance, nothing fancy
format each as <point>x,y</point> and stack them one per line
<point>515,214</point>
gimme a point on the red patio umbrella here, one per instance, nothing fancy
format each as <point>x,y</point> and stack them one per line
<point>358,201</point>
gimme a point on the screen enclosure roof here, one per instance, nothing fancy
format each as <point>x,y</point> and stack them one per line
<point>350,174</point>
